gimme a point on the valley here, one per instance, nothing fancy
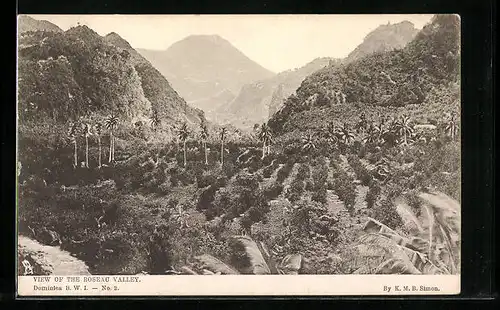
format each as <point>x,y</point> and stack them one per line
<point>133,165</point>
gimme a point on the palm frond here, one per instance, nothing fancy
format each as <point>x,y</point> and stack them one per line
<point>215,265</point>
<point>408,217</point>
<point>187,270</point>
<point>257,262</point>
<point>291,264</point>
<point>374,226</point>
<point>396,266</point>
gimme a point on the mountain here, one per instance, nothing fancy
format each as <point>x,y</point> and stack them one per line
<point>256,101</point>
<point>77,74</point>
<point>422,80</point>
<point>26,23</point>
<point>384,38</point>
<point>201,67</point>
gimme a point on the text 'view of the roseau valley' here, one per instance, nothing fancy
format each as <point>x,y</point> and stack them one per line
<point>238,145</point>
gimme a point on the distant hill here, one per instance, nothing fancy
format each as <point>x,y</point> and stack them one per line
<point>26,23</point>
<point>383,39</point>
<point>79,74</point>
<point>203,66</point>
<point>256,101</point>
<point>421,80</point>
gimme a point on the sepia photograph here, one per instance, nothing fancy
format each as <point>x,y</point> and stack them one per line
<point>195,146</point>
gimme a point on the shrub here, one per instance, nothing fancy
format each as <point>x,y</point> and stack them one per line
<point>372,195</point>
<point>343,185</point>
<point>304,172</point>
<point>319,195</point>
<point>295,191</point>
<point>273,191</point>
<point>386,213</point>
<point>361,172</point>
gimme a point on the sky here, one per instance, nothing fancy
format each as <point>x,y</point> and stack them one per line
<point>277,42</point>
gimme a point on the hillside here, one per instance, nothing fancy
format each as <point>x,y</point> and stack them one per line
<point>254,101</point>
<point>26,23</point>
<point>383,39</point>
<point>202,66</point>
<point>258,101</point>
<point>78,73</point>
<point>422,76</point>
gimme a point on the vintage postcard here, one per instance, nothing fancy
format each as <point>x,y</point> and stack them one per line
<point>175,155</point>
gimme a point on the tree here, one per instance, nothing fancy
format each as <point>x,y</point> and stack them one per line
<point>362,124</point>
<point>111,122</point>
<point>308,142</point>
<point>371,135</point>
<point>265,137</point>
<point>346,135</point>
<point>332,134</point>
<point>98,133</point>
<point>72,134</point>
<point>222,136</point>
<point>452,126</point>
<point>155,120</point>
<point>204,134</point>
<point>86,133</point>
<point>404,128</point>
<point>183,134</point>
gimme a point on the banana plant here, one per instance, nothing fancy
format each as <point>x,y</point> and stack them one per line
<point>261,261</point>
<point>433,245</point>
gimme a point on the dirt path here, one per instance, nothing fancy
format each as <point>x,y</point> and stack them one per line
<point>51,259</point>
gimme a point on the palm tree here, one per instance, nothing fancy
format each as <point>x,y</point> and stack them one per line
<point>308,142</point>
<point>372,134</point>
<point>86,133</point>
<point>265,136</point>
<point>433,244</point>
<point>179,216</point>
<point>346,135</point>
<point>155,120</point>
<point>98,132</point>
<point>204,137</point>
<point>183,134</point>
<point>262,262</point>
<point>380,131</point>
<point>404,128</point>
<point>332,134</point>
<point>222,135</point>
<point>452,126</point>
<point>111,122</point>
<point>362,124</point>
<point>73,133</point>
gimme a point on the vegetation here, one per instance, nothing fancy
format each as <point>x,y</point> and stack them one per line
<point>225,202</point>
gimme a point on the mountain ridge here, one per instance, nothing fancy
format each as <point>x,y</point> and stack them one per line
<point>201,66</point>
<point>26,23</point>
<point>422,79</point>
<point>78,73</point>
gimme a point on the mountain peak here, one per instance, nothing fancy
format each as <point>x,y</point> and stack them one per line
<point>27,23</point>
<point>115,39</point>
<point>384,38</point>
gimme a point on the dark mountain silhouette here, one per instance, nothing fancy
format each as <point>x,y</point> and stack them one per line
<point>201,67</point>
<point>26,23</point>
